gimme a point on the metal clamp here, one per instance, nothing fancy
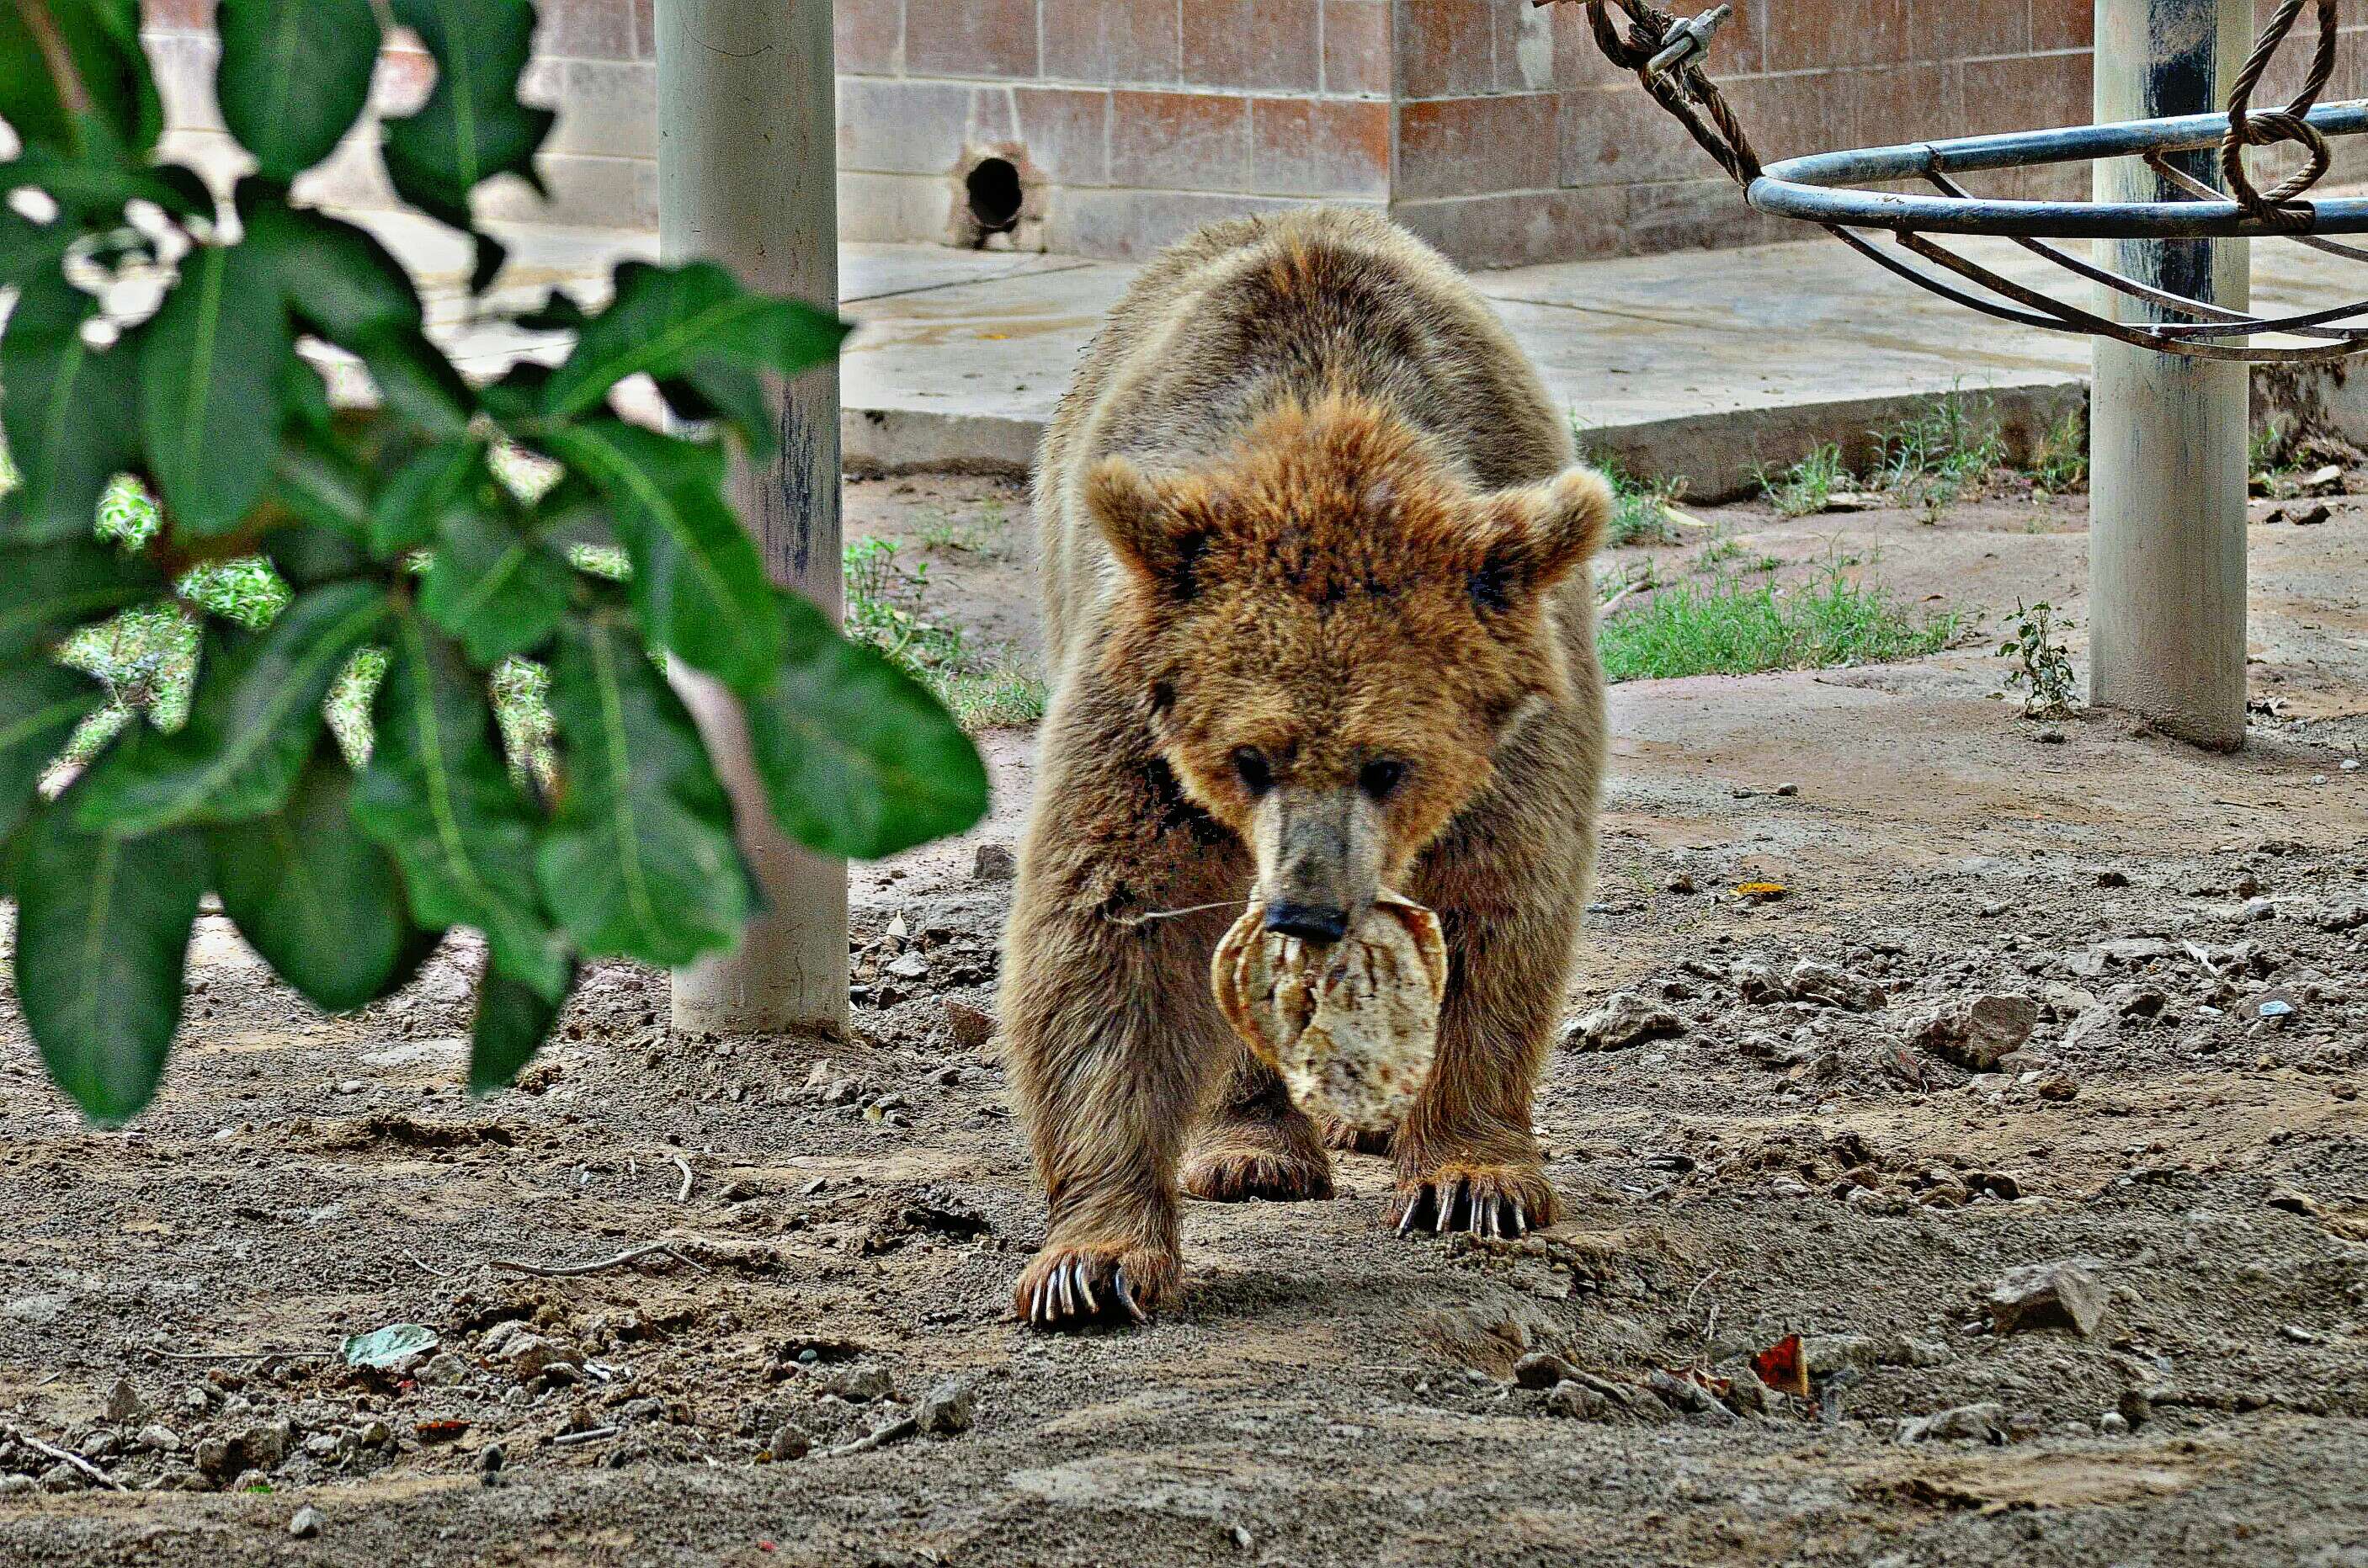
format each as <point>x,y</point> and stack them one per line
<point>1686,40</point>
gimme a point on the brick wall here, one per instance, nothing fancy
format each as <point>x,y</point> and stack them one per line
<point>1493,128</point>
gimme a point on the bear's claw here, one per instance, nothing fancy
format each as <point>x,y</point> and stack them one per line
<point>1066,1293</point>
<point>1491,1205</point>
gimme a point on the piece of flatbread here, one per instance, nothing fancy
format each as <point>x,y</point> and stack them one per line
<point>1350,1027</point>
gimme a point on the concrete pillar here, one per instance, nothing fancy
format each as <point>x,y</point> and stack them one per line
<point>748,175</point>
<point>2166,518</point>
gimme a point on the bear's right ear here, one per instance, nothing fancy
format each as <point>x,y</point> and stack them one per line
<point>1143,527</point>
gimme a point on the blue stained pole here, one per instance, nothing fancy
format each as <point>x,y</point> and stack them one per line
<point>2168,436</point>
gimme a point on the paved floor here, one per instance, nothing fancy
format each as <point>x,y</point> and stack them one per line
<point>1706,364</point>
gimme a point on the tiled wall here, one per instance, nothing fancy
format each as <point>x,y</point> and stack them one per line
<point>1491,127</point>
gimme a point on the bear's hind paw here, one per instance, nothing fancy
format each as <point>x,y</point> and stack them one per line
<point>1071,1288</point>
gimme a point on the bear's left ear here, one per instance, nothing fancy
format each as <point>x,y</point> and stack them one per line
<point>1143,525</point>
<point>1532,536</point>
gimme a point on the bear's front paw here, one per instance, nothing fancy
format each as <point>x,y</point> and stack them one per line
<point>1505,1202</point>
<point>1078,1287</point>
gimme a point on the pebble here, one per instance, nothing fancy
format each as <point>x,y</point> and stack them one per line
<point>2063,1294</point>
<point>994,863</point>
<point>858,1384</point>
<point>945,1410</point>
<point>1977,1035</point>
<point>1625,1019</point>
<point>306,1524</point>
<point>971,1026</point>
<point>1983,1423</point>
<point>1834,986</point>
<point>2113,1424</point>
<point>123,1402</point>
<point>1575,1401</point>
<point>789,1443</point>
<point>159,1439</point>
<point>1542,1369</point>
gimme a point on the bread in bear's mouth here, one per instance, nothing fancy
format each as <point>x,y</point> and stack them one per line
<point>1352,1027</point>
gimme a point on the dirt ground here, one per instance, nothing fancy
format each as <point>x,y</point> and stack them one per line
<point>1746,1152</point>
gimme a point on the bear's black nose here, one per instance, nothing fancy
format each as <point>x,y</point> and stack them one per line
<point>1308,922</point>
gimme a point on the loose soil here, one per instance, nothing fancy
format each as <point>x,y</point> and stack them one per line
<point>2184,1127</point>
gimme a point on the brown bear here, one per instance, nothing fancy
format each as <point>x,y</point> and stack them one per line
<point>1310,526</point>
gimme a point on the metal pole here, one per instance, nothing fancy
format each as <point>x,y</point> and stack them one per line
<point>748,175</point>
<point>2166,519</point>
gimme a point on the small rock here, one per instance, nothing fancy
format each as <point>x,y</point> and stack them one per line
<point>493,1457</point>
<point>321,1445</point>
<point>306,1524</point>
<point>787,1443</point>
<point>63,1477</point>
<point>442,1371</point>
<point>1575,1401</point>
<point>911,965</point>
<point>2299,1335</point>
<point>859,1385</point>
<point>1681,883</point>
<point>1759,981</point>
<point>2047,1295</point>
<point>158,1438</point>
<point>123,1402</point>
<point>2056,1087</point>
<point>2113,1424</point>
<point>1826,1353</point>
<point>945,1410</point>
<point>1977,1034</point>
<point>1983,1423</point>
<point>971,1026</point>
<point>266,1443</point>
<point>1541,1369</point>
<point>2294,1201</point>
<point>994,863</point>
<point>213,1456</point>
<point>1834,986</point>
<point>1625,1019</point>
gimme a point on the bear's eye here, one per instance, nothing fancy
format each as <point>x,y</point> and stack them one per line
<point>1380,779</point>
<point>1257,776</point>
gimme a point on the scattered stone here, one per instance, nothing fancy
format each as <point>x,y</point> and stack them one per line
<point>442,1371</point>
<point>1575,1401</point>
<point>2294,1201</point>
<point>1977,1035</point>
<point>63,1477</point>
<point>214,1456</point>
<point>123,1402</point>
<point>2112,878</point>
<point>910,966</point>
<point>1681,883</point>
<point>493,1457</point>
<point>2056,1087</point>
<point>858,1385</point>
<point>306,1524</point>
<point>1626,1019</point>
<point>945,1410</point>
<point>1826,1353</point>
<point>1760,981</point>
<point>994,863</point>
<point>971,1026</point>
<point>2063,1294</point>
<point>2299,1335</point>
<point>787,1443</point>
<point>158,1438</point>
<point>531,1356</point>
<point>1983,1423</point>
<point>2113,1424</point>
<point>1541,1369</point>
<point>1835,987</point>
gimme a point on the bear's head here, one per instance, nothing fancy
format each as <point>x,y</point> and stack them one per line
<point>1332,632</point>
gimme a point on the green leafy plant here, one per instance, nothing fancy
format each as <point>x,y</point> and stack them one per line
<point>887,608</point>
<point>1949,450</point>
<point>1731,627</point>
<point>393,575</point>
<point>1807,487</point>
<point>2043,669</point>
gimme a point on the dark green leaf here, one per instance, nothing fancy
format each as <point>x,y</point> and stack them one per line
<point>65,410</point>
<point>295,77</point>
<point>210,384</point>
<point>473,127</point>
<point>699,585</point>
<point>29,249</point>
<point>856,758</point>
<point>437,796</point>
<point>640,859</point>
<point>102,938</point>
<point>512,1023</point>
<point>338,279</point>
<point>492,585</point>
<point>47,590</point>
<point>415,499</point>
<point>97,43</point>
<point>92,193</point>
<point>321,903</point>
<point>417,381</point>
<point>703,339</point>
<point>252,722</point>
<point>40,704</point>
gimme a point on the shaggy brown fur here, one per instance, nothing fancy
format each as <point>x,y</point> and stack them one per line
<point>1310,524</point>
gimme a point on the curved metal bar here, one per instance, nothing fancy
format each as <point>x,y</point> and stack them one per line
<point>1947,290</point>
<point>2136,335</point>
<point>1805,187</point>
<point>2200,191</point>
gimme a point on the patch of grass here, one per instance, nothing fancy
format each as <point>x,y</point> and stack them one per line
<point>2060,466</point>
<point>978,534</point>
<point>1729,627</point>
<point>1948,451</point>
<point>1640,507</point>
<point>1804,489</point>
<point>1723,547</point>
<point>2270,449</point>
<point>887,607</point>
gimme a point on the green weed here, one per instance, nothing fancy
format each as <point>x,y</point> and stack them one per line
<point>2043,671</point>
<point>2060,466</point>
<point>1804,489</point>
<point>1949,450</point>
<point>1727,627</point>
<point>887,607</point>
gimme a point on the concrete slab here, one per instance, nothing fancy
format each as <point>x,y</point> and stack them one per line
<point>1709,365</point>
